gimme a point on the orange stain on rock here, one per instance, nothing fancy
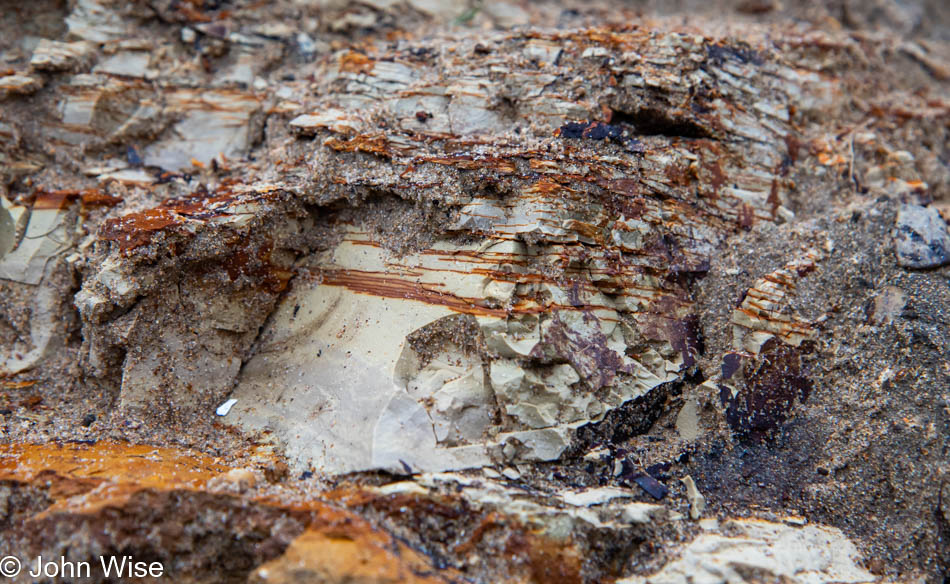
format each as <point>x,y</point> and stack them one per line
<point>113,470</point>
<point>353,62</point>
<point>140,463</point>
<point>351,552</point>
<point>136,229</point>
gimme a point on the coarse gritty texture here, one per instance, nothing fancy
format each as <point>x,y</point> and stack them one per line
<point>491,282</point>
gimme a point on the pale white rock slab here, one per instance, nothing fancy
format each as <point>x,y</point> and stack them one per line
<point>213,124</point>
<point>323,377</point>
<point>595,496</point>
<point>50,55</point>
<point>125,63</point>
<point>39,235</point>
<point>95,21</point>
<point>429,361</point>
<point>31,241</point>
<point>813,554</point>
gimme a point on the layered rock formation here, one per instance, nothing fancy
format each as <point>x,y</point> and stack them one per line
<point>491,293</point>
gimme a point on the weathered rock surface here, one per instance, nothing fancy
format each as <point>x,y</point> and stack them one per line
<point>756,551</point>
<point>922,240</point>
<point>572,264</point>
<point>493,292</point>
<point>566,261</point>
<point>117,498</point>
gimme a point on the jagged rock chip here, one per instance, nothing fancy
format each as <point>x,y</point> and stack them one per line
<point>33,246</point>
<point>50,55</point>
<point>756,551</point>
<point>19,84</point>
<point>922,239</point>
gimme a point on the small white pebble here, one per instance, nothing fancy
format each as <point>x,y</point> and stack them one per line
<point>785,214</point>
<point>510,473</point>
<point>224,408</point>
<point>618,467</point>
<point>242,477</point>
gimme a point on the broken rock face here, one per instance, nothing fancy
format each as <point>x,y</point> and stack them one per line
<point>211,312</point>
<point>386,236</point>
<point>922,239</point>
<point>34,240</point>
<point>554,294</point>
<point>116,498</point>
<point>756,551</point>
<point>409,364</point>
<point>552,289</point>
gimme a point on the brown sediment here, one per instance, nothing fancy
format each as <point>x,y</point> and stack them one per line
<point>137,229</point>
<point>255,262</point>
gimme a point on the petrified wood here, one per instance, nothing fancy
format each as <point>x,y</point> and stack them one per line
<point>404,291</point>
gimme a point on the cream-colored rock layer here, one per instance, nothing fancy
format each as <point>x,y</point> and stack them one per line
<point>747,551</point>
<point>33,244</point>
<point>565,294</point>
<point>358,369</point>
<point>33,235</point>
<point>764,312</point>
<point>564,515</point>
<point>57,55</point>
<point>583,177</point>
